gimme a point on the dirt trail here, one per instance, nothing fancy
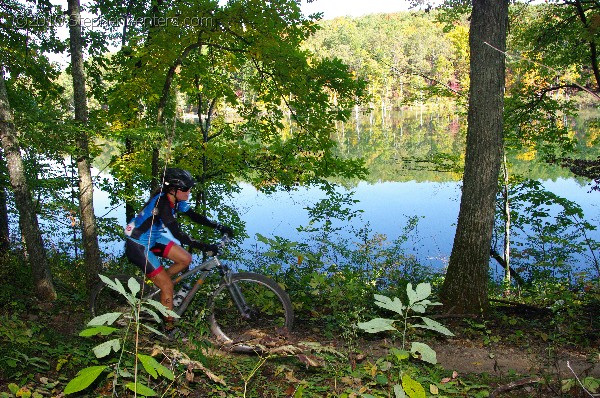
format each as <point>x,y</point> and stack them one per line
<point>469,357</point>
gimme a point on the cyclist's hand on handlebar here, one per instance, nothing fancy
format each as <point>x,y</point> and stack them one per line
<point>210,249</point>
<point>225,230</point>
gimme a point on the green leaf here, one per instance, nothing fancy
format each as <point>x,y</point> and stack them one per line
<point>377,325</point>
<point>400,355</point>
<point>84,378</point>
<point>398,391</point>
<point>435,326</point>
<point>154,368</point>
<point>141,389</point>
<point>262,238</point>
<point>161,308</point>
<point>387,303</point>
<point>299,391</point>
<point>152,313</point>
<point>381,379</point>
<point>114,285</point>
<point>412,388</point>
<point>105,348</point>
<point>592,384</point>
<point>422,291</point>
<point>427,353</point>
<point>134,286</point>
<point>149,364</point>
<point>153,330</point>
<point>102,330</point>
<point>105,319</point>
<point>567,384</point>
<point>13,388</point>
<point>419,307</point>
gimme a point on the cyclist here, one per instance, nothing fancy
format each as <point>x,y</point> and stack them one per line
<point>146,242</point>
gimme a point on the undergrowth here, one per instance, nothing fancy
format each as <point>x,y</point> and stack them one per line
<point>328,355</point>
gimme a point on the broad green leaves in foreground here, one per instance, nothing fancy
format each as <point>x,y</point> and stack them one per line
<point>102,325</point>
<point>84,378</point>
<point>417,302</point>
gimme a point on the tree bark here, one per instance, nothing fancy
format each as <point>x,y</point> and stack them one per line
<point>40,269</point>
<point>507,224</point>
<point>129,209</point>
<point>465,286</point>
<point>4,222</point>
<point>91,248</point>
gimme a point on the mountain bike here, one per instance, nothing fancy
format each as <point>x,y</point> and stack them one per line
<point>245,305</point>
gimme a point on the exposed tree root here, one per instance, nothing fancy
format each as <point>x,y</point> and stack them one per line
<point>515,384</point>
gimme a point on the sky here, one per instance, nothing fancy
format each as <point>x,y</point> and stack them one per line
<point>353,8</point>
<point>329,8</point>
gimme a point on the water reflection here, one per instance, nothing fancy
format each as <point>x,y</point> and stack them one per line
<point>386,206</point>
<point>399,185</point>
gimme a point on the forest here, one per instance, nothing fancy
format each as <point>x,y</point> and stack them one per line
<point>108,95</point>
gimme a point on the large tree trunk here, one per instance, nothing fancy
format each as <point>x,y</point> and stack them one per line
<point>91,249</point>
<point>465,286</point>
<point>42,278</point>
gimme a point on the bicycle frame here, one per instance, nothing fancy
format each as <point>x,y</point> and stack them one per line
<point>205,268</point>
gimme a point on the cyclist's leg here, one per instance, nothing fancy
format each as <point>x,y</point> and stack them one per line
<point>164,282</point>
<point>169,249</point>
<point>149,263</point>
<point>143,258</point>
<point>181,259</point>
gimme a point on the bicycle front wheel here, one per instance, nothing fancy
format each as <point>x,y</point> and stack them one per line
<point>261,313</point>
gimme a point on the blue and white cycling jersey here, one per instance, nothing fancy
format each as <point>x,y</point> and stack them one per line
<point>149,225</point>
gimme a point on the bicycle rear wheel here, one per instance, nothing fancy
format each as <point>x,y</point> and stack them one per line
<point>267,317</point>
<point>105,300</point>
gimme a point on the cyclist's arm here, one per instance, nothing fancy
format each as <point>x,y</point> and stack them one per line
<point>166,214</point>
<point>200,219</point>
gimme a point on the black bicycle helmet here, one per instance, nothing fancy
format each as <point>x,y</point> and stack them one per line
<point>179,179</point>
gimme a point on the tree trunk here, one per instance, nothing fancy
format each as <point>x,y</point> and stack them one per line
<point>4,226</point>
<point>86,188</point>
<point>465,287</point>
<point>507,225</point>
<point>129,209</point>
<point>42,277</point>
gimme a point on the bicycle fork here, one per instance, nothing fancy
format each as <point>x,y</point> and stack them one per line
<point>238,297</point>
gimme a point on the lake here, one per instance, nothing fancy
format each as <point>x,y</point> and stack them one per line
<point>399,186</point>
<point>386,207</point>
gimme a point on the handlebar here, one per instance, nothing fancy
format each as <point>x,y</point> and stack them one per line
<point>225,239</point>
